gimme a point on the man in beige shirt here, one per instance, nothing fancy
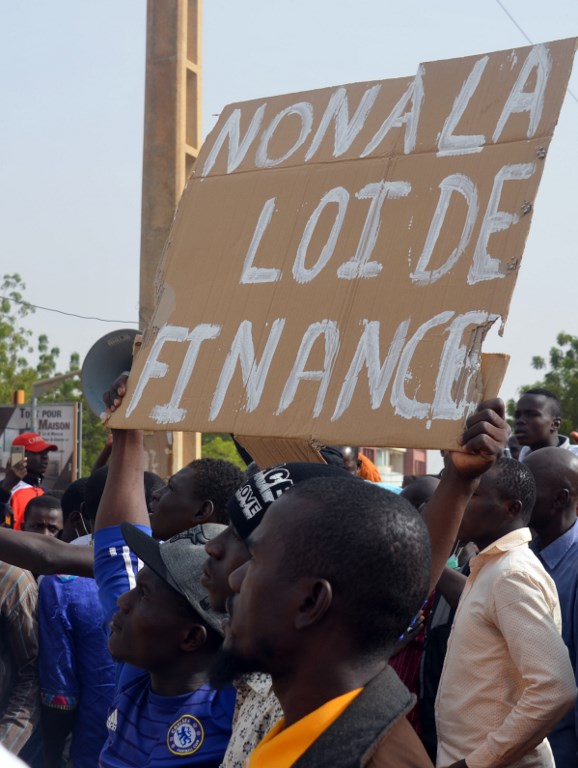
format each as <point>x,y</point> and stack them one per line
<point>507,677</point>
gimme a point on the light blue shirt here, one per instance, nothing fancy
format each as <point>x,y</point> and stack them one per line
<point>560,559</point>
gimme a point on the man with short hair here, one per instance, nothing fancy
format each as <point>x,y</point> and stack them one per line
<point>537,420</point>
<point>507,678</point>
<point>200,489</point>
<point>184,505</point>
<point>23,482</point>
<point>329,670</point>
<point>554,520</point>
<point>312,608</point>
<point>166,712</point>
<point>43,515</point>
<point>257,707</point>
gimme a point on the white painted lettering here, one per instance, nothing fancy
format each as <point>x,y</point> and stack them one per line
<point>329,330</point>
<point>305,111</point>
<point>171,412</point>
<point>399,118</point>
<point>301,273</point>
<point>253,274</point>
<point>484,267</point>
<point>359,265</point>
<point>346,130</point>
<point>448,142</point>
<point>457,182</point>
<point>411,408</point>
<point>460,362</point>
<point>367,355</point>
<point>154,368</point>
<point>237,150</point>
<point>532,102</point>
<point>254,374</point>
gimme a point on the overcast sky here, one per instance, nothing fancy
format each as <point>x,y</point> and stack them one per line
<point>72,88</point>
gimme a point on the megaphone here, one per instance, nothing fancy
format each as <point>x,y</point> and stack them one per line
<point>110,356</point>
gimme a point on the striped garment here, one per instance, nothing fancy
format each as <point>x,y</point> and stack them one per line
<point>19,688</point>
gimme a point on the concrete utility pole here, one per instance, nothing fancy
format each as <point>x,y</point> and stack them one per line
<point>172,138</point>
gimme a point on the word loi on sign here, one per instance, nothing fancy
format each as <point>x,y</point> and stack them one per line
<point>338,256</point>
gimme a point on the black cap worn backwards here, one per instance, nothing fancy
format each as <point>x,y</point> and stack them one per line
<point>250,502</point>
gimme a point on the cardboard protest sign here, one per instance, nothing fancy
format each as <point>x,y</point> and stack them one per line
<point>338,256</point>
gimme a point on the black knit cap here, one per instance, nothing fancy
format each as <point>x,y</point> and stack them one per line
<point>250,502</point>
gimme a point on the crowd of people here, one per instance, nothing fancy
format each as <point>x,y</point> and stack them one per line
<point>296,615</point>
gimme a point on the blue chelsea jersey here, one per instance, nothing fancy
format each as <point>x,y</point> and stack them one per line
<point>150,731</point>
<point>146,730</point>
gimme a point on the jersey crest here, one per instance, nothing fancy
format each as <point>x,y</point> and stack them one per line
<point>185,736</point>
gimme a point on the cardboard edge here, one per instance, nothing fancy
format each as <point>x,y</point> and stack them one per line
<point>493,367</point>
<point>269,451</point>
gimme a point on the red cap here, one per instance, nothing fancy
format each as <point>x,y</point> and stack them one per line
<point>33,443</point>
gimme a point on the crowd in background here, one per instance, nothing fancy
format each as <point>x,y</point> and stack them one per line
<point>301,614</point>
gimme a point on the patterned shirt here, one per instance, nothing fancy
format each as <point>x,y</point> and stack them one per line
<point>257,709</point>
<point>19,688</point>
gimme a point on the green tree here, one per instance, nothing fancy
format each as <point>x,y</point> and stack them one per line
<point>16,372</point>
<point>16,342</point>
<point>218,445</point>
<point>561,377</point>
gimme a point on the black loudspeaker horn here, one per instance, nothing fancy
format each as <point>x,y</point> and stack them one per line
<point>110,356</point>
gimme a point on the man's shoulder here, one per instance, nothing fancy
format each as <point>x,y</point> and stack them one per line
<point>564,442</point>
<point>520,578</point>
<point>254,683</point>
<point>522,564</point>
<point>10,575</point>
<point>20,486</point>
<point>561,555</point>
<point>74,595</point>
<point>365,723</point>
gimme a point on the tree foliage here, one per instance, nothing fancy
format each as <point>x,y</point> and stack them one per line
<point>220,446</point>
<point>561,377</point>
<point>17,344</point>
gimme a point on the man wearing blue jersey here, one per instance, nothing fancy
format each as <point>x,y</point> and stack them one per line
<point>162,624</point>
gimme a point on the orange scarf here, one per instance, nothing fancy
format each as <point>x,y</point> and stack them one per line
<point>282,747</point>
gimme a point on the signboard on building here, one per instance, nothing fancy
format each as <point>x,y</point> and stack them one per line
<point>57,423</point>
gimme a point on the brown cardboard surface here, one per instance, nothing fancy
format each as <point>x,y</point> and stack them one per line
<point>275,450</point>
<point>338,256</point>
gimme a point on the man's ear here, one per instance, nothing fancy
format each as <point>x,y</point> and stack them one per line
<point>561,499</point>
<point>193,638</point>
<point>514,509</point>
<point>316,601</point>
<point>204,512</point>
<point>74,518</point>
<point>556,422</point>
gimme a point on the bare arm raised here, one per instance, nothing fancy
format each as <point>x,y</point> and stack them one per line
<point>123,499</point>
<point>483,441</point>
